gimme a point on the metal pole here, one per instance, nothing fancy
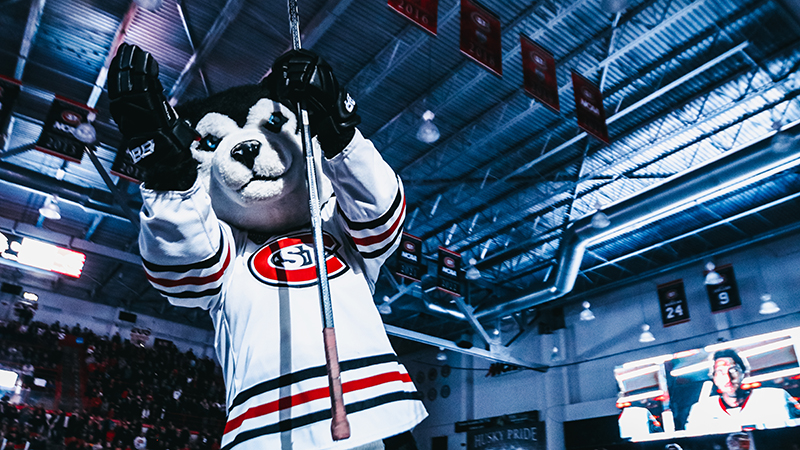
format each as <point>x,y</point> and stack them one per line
<point>340,427</point>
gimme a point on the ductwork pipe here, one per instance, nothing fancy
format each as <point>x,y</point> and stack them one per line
<point>38,182</point>
<point>730,171</point>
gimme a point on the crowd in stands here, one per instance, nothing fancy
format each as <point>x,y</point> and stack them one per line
<point>135,397</point>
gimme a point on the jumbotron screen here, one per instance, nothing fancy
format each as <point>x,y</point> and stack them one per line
<point>726,387</point>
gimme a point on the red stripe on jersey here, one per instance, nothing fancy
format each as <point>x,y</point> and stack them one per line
<point>314,394</point>
<point>369,240</point>
<point>191,281</point>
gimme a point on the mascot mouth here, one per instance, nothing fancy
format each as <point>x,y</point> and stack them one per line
<point>259,178</point>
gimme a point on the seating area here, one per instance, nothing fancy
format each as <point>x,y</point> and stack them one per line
<point>130,396</point>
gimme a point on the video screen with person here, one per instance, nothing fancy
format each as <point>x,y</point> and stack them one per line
<point>727,387</point>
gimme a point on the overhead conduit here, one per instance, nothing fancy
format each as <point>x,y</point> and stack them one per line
<point>734,169</point>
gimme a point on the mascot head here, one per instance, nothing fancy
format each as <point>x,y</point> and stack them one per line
<point>251,159</point>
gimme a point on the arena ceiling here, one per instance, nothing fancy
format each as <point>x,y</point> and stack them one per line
<point>689,86</point>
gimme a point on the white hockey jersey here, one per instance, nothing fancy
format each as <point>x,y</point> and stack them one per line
<point>765,407</point>
<point>263,299</point>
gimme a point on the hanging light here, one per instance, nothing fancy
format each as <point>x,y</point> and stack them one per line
<point>385,308</point>
<point>781,141</point>
<point>712,277</point>
<point>428,132</point>
<point>50,209</point>
<point>554,353</point>
<point>600,219</point>
<point>85,133</point>
<point>472,272</point>
<point>465,341</point>
<point>646,335</point>
<point>586,314</point>
<point>767,305</point>
<point>441,356</point>
<point>149,5</point>
<point>614,6</point>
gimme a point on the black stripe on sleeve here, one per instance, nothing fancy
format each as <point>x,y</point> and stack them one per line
<point>382,250</point>
<point>297,422</point>
<point>305,374</point>
<point>191,294</point>
<point>205,264</point>
<point>382,220</point>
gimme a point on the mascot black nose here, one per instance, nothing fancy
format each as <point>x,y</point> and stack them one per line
<point>246,152</point>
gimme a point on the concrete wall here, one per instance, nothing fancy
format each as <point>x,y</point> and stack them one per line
<point>580,382</point>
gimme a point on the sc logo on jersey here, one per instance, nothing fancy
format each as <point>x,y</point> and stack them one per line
<point>288,261</point>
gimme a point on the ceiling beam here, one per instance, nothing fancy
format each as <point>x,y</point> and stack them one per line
<point>224,18</point>
<point>32,26</point>
<point>449,345</point>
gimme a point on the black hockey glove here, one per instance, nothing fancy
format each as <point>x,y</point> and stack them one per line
<point>157,140</point>
<point>302,76</point>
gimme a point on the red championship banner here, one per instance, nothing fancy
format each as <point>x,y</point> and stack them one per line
<point>448,272</point>
<point>589,107</point>
<point>123,166</point>
<point>725,294</point>
<point>539,73</point>
<point>480,36</point>
<point>58,134</point>
<point>422,12</point>
<point>672,299</point>
<point>9,91</point>
<point>410,265</point>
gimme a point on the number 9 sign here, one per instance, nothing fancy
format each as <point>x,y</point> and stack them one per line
<point>724,296</point>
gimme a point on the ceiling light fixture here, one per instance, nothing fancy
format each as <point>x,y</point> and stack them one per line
<point>441,356</point>
<point>472,272</point>
<point>149,5</point>
<point>428,132</point>
<point>85,133</point>
<point>385,308</point>
<point>767,305</point>
<point>614,6</point>
<point>600,219</point>
<point>465,341</point>
<point>586,314</point>
<point>712,277</point>
<point>646,335</point>
<point>50,209</point>
<point>781,142</point>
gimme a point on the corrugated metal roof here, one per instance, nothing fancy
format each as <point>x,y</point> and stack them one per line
<point>684,81</point>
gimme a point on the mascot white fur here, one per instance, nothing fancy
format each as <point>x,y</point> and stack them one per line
<point>225,227</point>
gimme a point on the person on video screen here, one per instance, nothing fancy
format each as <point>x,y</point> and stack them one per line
<point>736,407</point>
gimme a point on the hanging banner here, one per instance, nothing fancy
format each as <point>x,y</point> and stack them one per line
<point>589,107</point>
<point>410,265</point>
<point>480,36</point>
<point>422,12</point>
<point>724,296</point>
<point>539,73</point>
<point>521,431</point>
<point>448,272</point>
<point>9,91</point>
<point>672,298</point>
<point>58,134</point>
<point>123,166</point>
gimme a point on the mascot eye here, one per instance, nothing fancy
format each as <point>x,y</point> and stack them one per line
<point>209,143</point>
<point>275,122</point>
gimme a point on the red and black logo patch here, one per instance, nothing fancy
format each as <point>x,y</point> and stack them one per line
<point>288,261</point>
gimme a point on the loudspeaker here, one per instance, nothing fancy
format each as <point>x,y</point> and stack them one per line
<point>12,289</point>
<point>127,317</point>
<point>551,319</point>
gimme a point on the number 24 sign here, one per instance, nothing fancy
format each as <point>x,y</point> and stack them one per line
<point>672,298</point>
